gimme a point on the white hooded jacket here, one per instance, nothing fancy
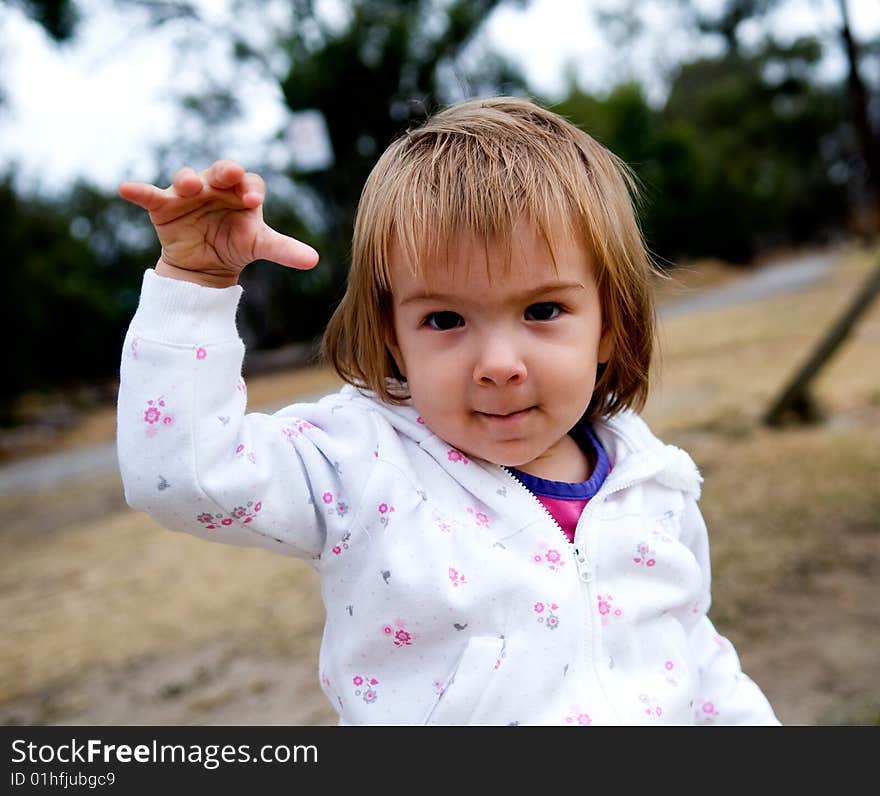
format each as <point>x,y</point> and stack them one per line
<point>451,594</point>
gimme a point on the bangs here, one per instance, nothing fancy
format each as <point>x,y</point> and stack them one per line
<point>448,186</point>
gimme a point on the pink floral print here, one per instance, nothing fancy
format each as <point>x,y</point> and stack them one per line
<point>546,615</point>
<point>549,557</point>
<point>578,717</point>
<point>456,577</point>
<point>650,706</point>
<point>343,544</point>
<point>644,555</point>
<point>156,416</point>
<point>479,517</point>
<point>242,453</point>
<point>365,688</point>
<point>444,523</point>
<point>706,712</point>
<point>134,346</point>
<point>385,511</point>
<point>244,514</point>
<point>660,536</point>
<point>337,508</point>
<point>669,673</point>
<point>398,633</point>
<point>607,611</point>
<point>296,430</point>
<point>457,456</point>
<point>201,353</point>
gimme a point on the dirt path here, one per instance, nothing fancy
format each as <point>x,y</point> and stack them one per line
<point>109,619</point>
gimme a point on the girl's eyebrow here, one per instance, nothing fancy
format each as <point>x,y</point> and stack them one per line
<point>517,298</point>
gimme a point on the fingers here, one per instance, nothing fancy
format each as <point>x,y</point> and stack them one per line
<point>143,194</point>
<point>251,189</point>
<point>229,175</point>
<point>277,248</point>
<point>224,174</point>
<point>227,178</point>
<point>187,183</point>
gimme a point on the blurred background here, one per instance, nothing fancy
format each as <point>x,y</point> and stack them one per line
<point>754,127</point>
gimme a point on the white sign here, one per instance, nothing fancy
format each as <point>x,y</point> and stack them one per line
<point>310,148</point>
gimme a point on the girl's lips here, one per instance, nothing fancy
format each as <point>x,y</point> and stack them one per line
<point>507,418</point>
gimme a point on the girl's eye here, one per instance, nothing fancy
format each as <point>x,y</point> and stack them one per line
<point>443,321</point>
<point>543,311</point>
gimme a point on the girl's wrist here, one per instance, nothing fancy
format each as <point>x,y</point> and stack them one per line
<point>202,278</point>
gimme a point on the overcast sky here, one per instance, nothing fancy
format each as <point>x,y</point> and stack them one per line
<point>96,108</point>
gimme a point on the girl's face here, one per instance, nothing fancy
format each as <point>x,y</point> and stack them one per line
<point>503,370</point>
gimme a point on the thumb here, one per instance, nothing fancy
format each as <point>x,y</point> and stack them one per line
<point>284,250</point>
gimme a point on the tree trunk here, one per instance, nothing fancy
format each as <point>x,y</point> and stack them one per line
<point>858,95</point>
<point>795,401</point>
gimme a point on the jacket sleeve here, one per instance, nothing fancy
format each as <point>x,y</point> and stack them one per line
<point>191,457</point>
<point>726,695</point>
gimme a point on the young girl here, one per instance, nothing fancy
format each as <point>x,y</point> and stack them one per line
<point>500,538</point>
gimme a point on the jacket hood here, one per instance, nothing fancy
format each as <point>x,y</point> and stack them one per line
<point>403,418</point>
<point>632,448</point>
<point>627,439</point>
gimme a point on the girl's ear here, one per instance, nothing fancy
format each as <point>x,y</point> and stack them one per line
<point>396,355</point>
<point>606,347</point>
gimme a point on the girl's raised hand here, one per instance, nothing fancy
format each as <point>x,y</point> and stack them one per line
<point>210,225</point>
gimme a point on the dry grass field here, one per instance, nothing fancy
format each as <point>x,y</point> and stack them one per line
<point>109,619</point>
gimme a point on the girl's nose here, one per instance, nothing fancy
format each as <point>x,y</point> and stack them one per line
<point>499,363</point>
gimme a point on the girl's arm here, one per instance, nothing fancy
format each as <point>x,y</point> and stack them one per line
<point>726,694</point>
<point>188,453</point>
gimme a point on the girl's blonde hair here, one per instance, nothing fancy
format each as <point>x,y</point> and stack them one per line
<point>477,168</point>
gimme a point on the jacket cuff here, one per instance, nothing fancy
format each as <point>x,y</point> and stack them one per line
<point>175,311</point>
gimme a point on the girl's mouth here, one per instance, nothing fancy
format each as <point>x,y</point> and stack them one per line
<point>509,417</point>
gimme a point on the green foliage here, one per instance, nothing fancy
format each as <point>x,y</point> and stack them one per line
<point>740,156</point>
<point>378,75</point>
<point>68,289</point>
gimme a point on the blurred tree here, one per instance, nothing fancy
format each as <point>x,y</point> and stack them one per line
<point>763,135</point>
<point>739,157</point>
<point>393,63</point>
<point>727,22</point>
<point>749,147</point>
<point>57,17</point>
<point>75,260</point>
<point>69,288</point>
<point>868,133</point>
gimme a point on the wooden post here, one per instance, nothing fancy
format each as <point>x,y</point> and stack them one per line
<point>795,400</point>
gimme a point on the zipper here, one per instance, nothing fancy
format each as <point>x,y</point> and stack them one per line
<point>543,507</point>
<point>585,575</point>
<point>584,569</point>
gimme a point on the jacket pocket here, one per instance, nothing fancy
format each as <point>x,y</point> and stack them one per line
<point>469,682</point>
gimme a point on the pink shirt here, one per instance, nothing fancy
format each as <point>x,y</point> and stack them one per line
<point>565,501</point>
